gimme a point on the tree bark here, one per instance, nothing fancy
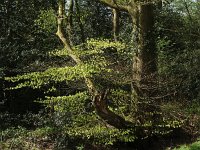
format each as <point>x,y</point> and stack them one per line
<point>145,65</point>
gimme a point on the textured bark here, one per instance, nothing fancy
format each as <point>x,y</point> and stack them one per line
<point>145,65</point>
<point>145,58</point>
<point>99,98</point>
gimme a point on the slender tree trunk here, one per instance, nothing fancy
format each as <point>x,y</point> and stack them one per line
<point>115,24</point>
<point>79,21</point>
<point>69,29</point>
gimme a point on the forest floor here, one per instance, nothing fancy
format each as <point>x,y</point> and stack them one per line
<point>18,132</point>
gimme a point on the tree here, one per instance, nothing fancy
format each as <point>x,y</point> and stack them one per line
<point>99,97</point>
<point>92,60</point>
<point>20,42</point>
<point>145,58</point>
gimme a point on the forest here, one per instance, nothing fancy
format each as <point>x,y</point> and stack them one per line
<point>99,75</point>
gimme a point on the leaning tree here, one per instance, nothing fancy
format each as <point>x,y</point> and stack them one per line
<point>144,69</point>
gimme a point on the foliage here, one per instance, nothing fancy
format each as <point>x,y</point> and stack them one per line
<point>193,146</point>
<point>73,113</point>
<point>21,138</point>
<point>179,50</point>
<point>47,21</point>
<point>94,56</point>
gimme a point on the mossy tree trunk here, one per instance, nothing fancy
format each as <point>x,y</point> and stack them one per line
<point>145,63</point>
<point>145,53</point>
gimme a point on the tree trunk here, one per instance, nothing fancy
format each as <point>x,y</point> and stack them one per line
<point>147,49</point>
<point>115,24</point>
<point>144,61</point>
<point>79,21</point>
<point>145,58</point>
<point>70,20</point>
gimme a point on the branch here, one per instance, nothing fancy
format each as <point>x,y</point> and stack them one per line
<point>188,11</point>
